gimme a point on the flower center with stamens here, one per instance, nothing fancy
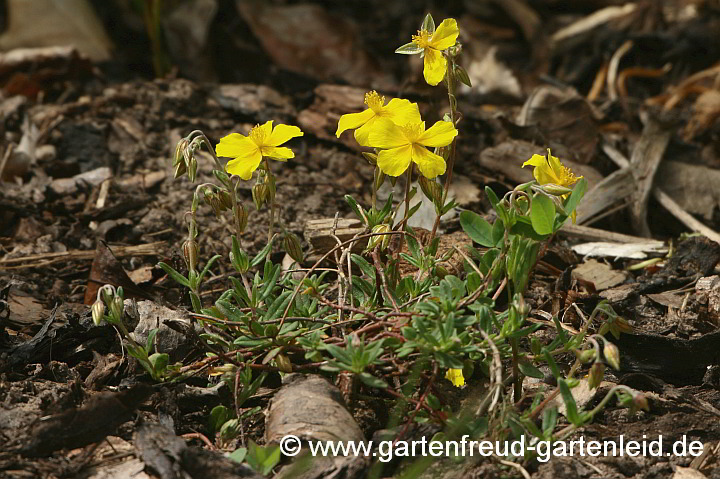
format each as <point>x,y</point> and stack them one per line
<point>374,101</point>
<point>412,131</point>
<point>257,135</point>
<point>422,39</point>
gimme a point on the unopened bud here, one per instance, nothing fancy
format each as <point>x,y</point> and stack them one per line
<point>117,308</point>
<point>192,169</point>
<point>190,252</point>
<point>612,355</point>
<point>370,157</point>
<point>379,178</point>
<point>597,372</point>
<point>384,240</point>
<point>270,182</point>
<point>180,169</point>
<point>283,363</point>
<point>98,312</point>
<point>555,190</point>
<point>241,217</point>
<point>259,195</point>
<point>180,152</point>
<point>216,205</point>
<point>225,199</point>
<point>585,355</point>
<point>292,247</point>
<point>431,189</point>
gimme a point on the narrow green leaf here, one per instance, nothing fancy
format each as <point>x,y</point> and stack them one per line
<point>177,277</point>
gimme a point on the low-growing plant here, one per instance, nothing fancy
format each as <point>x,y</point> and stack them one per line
<point>397,335</point>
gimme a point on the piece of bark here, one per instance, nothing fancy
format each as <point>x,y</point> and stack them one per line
<point>600,274</point>
<point>620,250</point>
<point>319,234</point>
<point>686,218</point>
<point>588,233</point>
<point>98,417</point>
<point>646,157</point>
<point>106,269</point>
<point>170,457</point>
<point>313,410</point>
<point>615,188</point>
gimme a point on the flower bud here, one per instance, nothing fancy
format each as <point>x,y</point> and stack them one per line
<point>260,195</point>
<point>216,205</point>
<point>585,355</point>
<point>379,178</point>
<point>612,355</point>
<point>241,217</point>
<point>270,182</point>
<point>555,190</point>
<point>117,308</point>
<point>283,363</point>
<point>190,252</point>
<point>384,240</point>
<point>370,157</point>
<point>180,152</point>
<point>431,189</point>
<point>180,169</point>
<point>98,312</point>
<point>225,199</point>
<point>597,372</point>
<point>292,246</point>
<point>192,169</point>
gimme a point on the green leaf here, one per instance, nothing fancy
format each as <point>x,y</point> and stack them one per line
<point>260,257</point>
<point>549,420</point>
<point>477,228</point>
<point>218,416</point>
<point>238,455</point>
<point>570,405</point>
<point>357,209</point>
<point>529,370</point>
<point>363,264</point>
<point>542,215</point>
<point>151,339</point>
<point>372,381</point>
<point>177,277</point>
<point>159,362</point>
<point>409,49</point>
<point>263,459</point>
<point>576,195</point>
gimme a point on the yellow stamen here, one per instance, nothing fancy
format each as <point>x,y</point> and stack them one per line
<point>412,131</point>
<point>374,101</point>
<point>257,134</point>
<point>422,39</point>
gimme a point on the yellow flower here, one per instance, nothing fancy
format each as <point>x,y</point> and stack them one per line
<point>406,144</point>
<point>456,377</point>
<point>549,170</point>
<point>397,110</point>
<point>431,43</point>
<point>262,141</point>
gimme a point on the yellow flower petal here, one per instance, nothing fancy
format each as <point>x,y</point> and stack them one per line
<point>278,152</point>
<point>435,64</point>
<point>395,162</point>
<point>440,134</point>
<point>402,112</point>
<point>536,160</point>
<point>386,134</point>
<point>362,134</point>
<point>282,133</point>
<point>234,145</point>
<point>353,120</point>
<point>261,133</point>
<point>244,166</point>
<point>455,376</point>
<point>429,164</point>
<point>445,35</point>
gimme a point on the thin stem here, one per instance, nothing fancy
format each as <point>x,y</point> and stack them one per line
<point>408,181</point>
<point>272,209</point>
<point>450,78</point>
